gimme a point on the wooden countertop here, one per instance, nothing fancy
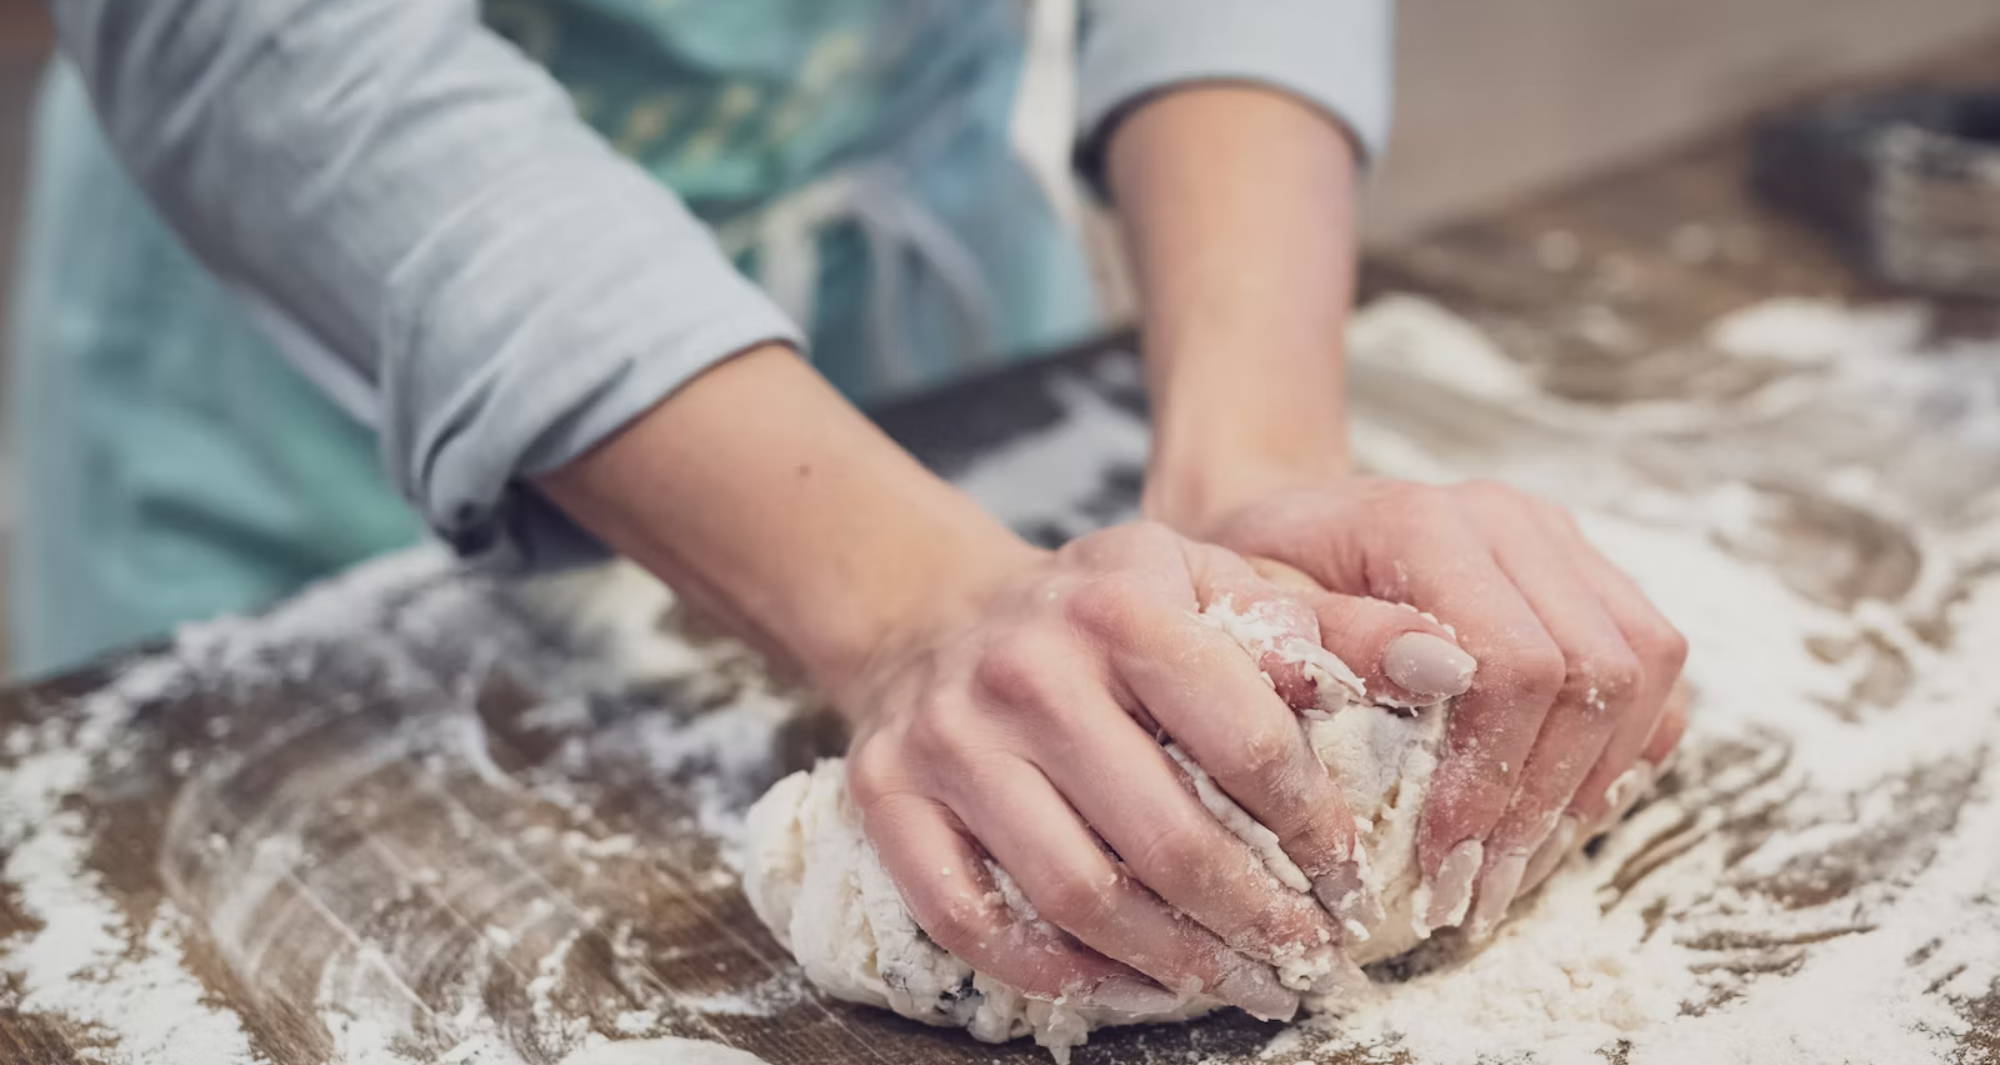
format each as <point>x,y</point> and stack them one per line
<point>405,796</point>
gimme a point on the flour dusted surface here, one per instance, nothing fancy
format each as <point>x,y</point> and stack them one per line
<point>1814,884</point>
<point>665,1051</point>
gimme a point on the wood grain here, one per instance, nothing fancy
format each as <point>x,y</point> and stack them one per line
<point>409,823</point>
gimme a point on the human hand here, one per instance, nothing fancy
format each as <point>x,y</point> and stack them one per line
<point>1569,714</point>
<point>1018,719</point>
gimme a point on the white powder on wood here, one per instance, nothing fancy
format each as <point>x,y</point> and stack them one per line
<point>1818,885</point>
<point>86,964</point>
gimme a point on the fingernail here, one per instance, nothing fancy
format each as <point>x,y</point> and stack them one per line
<point>1451,890</point>
<point>1625,792</point>
<point>1422,664</point>
<point>1255,990</point>
<point>1496,892</point>
<point>1344,892</point>
<point>1134,996</point>
<point>1552,851</point>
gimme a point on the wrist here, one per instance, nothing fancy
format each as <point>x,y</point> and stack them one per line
<point>1238,204</point>
<point>934,577</point>
<point>1228,430</point>
<point>1195,497</point>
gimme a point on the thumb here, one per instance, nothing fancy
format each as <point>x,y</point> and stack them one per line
<point>1269,615</point>
<point>1403,656</point>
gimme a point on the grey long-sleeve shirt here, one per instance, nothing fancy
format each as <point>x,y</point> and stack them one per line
<point>416,212</point>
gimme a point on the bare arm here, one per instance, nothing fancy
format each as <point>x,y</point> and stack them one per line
<point>420,214</point>
<point>765,495</point>
<point>992,685</point>
<point>1239,203</point>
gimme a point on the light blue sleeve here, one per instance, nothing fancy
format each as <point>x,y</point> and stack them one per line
<point>416,212</point>
<point>1335,54</point>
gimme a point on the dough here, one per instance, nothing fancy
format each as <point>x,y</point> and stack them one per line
<point>815,881</point>
<point>666,1051</point>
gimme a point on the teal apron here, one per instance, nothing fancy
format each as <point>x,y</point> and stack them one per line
<point>858,157</point>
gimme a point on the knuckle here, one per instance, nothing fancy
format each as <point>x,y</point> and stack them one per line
<point>1609,679</point>
<point>1557,513</point>
<point>1014,668</point>
<point>1288,923</point>
<point>1666,646</point>
<point>947,748</point>
<point>1531,672</point>
<point>1265,754</point>
<point>1488,493</point>
<point>958,923</point>
<point>1312,838</point>
<point>929,742</point>
<point>1175,853</point>
<point>1112,609</point>
<point>871,774</point>
<point>1120,541</point>
<point>1419,505</point>
<point>1073,901</point>
<point>1148,533</point>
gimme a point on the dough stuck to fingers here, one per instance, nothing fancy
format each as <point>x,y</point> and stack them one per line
<point>814,879</point>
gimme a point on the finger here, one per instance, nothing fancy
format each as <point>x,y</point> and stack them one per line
<point>1402,657</point>
<point>1013,810</point>
<point>1277,620</point>
<point>1601,680</point>
<point>954,899</point>
<point>1134,795</point>
<point>1664,740</point>
<point>1161,570</point>
<point>1206,693</point>
<point>1636,783</point>
<point>1672,726</point>
<point>1277,628</point>
<point>1443,566</point>
<point>1283,574</point>
<point>1661,651</point>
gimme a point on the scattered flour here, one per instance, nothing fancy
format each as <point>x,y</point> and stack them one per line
<point>1773,909</point>
<point>820,888</point>
<point>1816,884</point>
<point>86,963</point>
<point>667,1051</point>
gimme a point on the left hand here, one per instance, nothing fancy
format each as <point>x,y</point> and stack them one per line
<point>1568,714</point>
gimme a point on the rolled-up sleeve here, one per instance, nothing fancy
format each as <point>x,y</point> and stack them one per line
<point>1335,54</point>
<point>432,231</point>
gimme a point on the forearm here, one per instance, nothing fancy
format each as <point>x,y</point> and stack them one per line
<point>763,494</point>
<point>1238,210</point>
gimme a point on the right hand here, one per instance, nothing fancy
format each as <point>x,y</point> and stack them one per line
<point>1018,719</point>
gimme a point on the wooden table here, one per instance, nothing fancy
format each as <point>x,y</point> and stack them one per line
<point>423,798</point>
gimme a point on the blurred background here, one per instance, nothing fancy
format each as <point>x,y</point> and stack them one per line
<point>1495,100</point>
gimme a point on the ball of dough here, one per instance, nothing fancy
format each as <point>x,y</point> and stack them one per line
<point>815,881</point>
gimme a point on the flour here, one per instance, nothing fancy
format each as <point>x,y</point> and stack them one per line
<point>662,1052</point>
<point>1758,969</point>
<point>1691,934</point>
<point>87,963</point>
<point>1801,891</point>
<point>818,885</point>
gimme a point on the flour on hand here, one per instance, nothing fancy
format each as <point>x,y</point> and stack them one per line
<point>816,882</point>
